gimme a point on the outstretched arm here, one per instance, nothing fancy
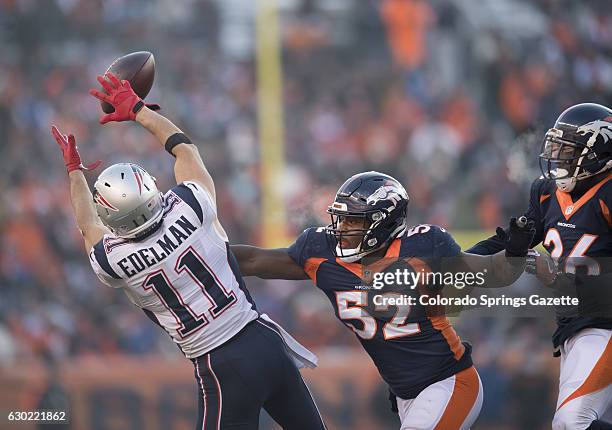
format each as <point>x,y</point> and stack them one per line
<point>496,242</point>
<point>129,107</point>
<point>499,269</point>
<point>267,263</point>
<point>85,213</point>
<point>504,267</point>
<point>188,165</point>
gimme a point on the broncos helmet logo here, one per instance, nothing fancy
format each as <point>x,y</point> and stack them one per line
<point>597,128</point>
<point>388,191</point>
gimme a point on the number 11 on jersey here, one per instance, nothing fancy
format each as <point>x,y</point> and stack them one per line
<point>191,264</point>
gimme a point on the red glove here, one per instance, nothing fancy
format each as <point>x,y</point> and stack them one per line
<point>70,152</point>
<point>121,96</point>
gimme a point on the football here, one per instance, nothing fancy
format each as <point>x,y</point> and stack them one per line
<point>138,68</point>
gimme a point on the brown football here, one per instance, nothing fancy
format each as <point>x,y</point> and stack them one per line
<point>138,68</point>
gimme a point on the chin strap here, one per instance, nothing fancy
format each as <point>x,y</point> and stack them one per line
<point>566,185</point>
<point>355,256</point>
<point>358,255</point>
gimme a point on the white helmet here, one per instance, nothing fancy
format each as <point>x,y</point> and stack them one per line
<point>127,200</point>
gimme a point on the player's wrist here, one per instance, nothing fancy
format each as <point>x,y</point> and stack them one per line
<point>142,114</point>
<point>138,106</point>
<point>516,260</point>
<point>519,238</point>
<point>74,172</point>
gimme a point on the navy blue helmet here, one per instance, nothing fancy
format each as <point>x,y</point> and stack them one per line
<point>579,145</point>
<point>377,198</point>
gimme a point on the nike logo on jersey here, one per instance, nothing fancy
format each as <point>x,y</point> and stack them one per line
<point>565,224</point>
<point>144,258</point>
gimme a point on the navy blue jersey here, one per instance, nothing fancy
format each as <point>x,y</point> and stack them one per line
<point>578,235</point>
<point>571,229</point>
<point>411,346</point>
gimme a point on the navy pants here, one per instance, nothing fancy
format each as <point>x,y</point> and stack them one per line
<point>249,372</point>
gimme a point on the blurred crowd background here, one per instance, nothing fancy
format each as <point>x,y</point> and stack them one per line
<point>450,96</point>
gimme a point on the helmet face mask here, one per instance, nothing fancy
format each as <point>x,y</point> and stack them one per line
<point>577,147</point>
<point>369,211</point>
<point>560,157</point>
<point>363,236</point>
<point>127,200</point>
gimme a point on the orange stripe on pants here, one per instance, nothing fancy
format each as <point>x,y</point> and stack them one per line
<point>465,393</point>
<point>443,325</point>
<point>600,377</point>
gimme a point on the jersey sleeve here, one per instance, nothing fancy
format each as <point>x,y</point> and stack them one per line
<point>489,246</point>
<point>310,250</point>
<point>198,199</point>
<point>311,245</point>
<point>444,245</point>
<point>102,268</point>
<point>299,250</point>
<point>431,244</point>
<point>534,211</point>
<point>605,204</point>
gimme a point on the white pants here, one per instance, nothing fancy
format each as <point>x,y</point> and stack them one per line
<point>585,382</point>
<point>451,404</point>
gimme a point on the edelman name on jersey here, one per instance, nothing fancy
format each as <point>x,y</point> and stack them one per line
<point>182,275</point>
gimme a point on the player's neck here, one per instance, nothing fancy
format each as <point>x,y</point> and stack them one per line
<point>376,255</point>
<point>585,185</point>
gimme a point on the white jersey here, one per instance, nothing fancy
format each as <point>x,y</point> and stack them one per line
<point>182,275</point>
